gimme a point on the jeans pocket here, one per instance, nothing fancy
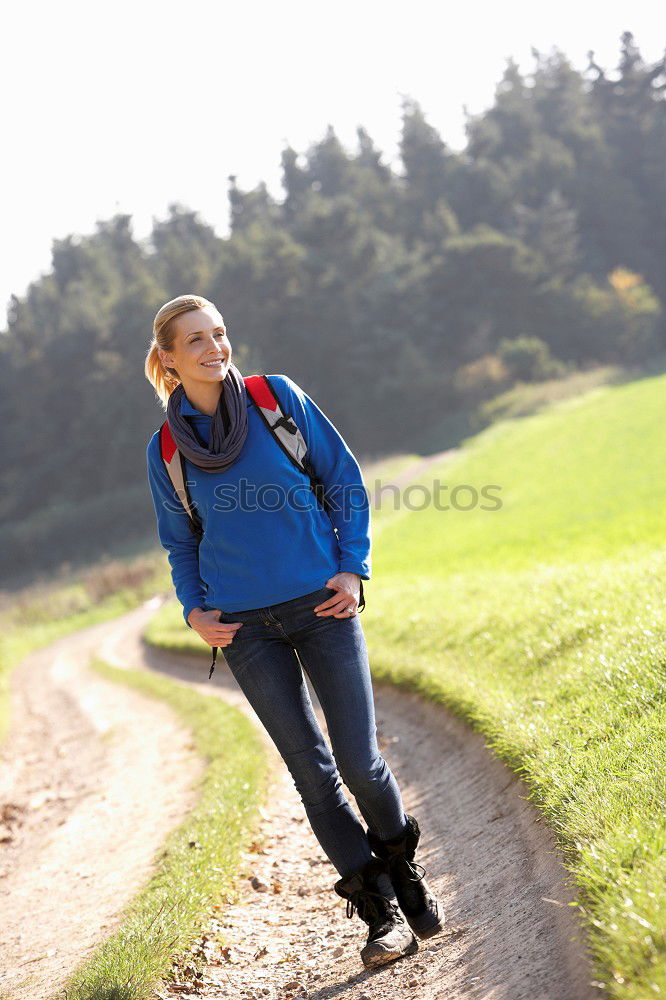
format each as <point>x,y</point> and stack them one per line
<point>301,611</point>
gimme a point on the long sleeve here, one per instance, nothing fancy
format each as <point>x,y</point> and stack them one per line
<point>335,465</point>
<point>174,534</point>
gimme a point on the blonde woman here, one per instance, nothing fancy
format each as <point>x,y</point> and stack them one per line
<point>275,582</point>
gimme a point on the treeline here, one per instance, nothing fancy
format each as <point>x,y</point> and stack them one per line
<point>392,297</point>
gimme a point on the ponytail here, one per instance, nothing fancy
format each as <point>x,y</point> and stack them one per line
<point>164,380</point>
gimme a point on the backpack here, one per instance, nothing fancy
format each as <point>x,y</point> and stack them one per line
<point>285,433</point>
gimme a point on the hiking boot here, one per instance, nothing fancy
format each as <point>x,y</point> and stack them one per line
<point>421,909</point>
<point>367,891</point>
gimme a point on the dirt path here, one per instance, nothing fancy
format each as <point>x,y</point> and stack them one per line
<point>509,935</point>
<point>87,792</point>
<point>408,475</point>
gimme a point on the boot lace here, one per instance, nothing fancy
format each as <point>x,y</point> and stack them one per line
<point>412,866</point>
<point>369,909</point>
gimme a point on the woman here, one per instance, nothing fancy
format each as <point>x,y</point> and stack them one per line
<point>278,589</point>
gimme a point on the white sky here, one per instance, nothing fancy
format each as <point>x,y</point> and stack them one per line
<point>131,105</point>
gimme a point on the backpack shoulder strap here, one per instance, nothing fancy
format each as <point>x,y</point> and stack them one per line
<point>281,425</point>
<point>175,466</point>
<point>285,431</point>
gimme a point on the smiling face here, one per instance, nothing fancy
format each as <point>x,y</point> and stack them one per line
<point>201,352</point>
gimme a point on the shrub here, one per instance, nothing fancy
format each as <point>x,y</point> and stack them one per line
<point>481,378</point>
<point>528,359</point>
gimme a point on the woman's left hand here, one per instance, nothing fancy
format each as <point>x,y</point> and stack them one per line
<point>345,603</point>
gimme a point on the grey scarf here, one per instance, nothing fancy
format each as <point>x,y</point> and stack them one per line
<point>228,428</point>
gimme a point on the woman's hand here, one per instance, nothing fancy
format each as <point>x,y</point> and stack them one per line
<point>211,629</point>
<point>345,603</point>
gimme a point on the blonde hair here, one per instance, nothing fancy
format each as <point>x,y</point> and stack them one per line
<point>164,380</point>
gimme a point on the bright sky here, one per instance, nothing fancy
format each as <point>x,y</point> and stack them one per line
<point>128,106</point>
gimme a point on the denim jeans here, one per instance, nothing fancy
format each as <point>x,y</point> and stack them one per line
<point>266,657</point>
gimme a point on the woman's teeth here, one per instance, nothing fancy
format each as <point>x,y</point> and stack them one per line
<point>213,364</point>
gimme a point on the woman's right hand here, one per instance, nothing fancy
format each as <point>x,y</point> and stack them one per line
<point>211,629</point>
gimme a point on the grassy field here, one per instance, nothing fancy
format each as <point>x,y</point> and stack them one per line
<point>543,622</point>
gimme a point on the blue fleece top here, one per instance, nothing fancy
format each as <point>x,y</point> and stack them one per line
<point>265,537</point>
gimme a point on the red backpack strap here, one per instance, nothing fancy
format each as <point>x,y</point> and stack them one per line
<point>175,466</point>
<point>280,424</point>
<point>285,431</point>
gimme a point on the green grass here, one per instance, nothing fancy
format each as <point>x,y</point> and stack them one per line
<point>36,615</point>
<point>563,670</point>
<point>525,398</point>
<point>387,468</point>
<point>577,482</point>
<point>196,865</point>
<point>167,630</point>
<point>544,624</point>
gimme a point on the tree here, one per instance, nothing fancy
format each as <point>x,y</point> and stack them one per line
<point>552,230</point>
<point>426,164</point>
<point>185,248</point>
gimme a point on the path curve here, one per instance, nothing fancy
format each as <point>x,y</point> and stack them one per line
<point>510,934</point>
<point>411,473</point>
<point>92,778</point>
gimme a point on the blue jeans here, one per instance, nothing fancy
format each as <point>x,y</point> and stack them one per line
<point>264,659</point>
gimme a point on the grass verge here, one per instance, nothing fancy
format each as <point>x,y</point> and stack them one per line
<point>542,621</point>
<point>563,669</point>
<point>196,865</point>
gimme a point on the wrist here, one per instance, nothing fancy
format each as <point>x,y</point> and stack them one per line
<point>194,614</point>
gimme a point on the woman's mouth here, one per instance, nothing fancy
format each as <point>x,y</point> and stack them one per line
<point>216,363</point>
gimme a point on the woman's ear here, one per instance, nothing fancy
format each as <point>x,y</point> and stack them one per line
<point>165,357</point>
